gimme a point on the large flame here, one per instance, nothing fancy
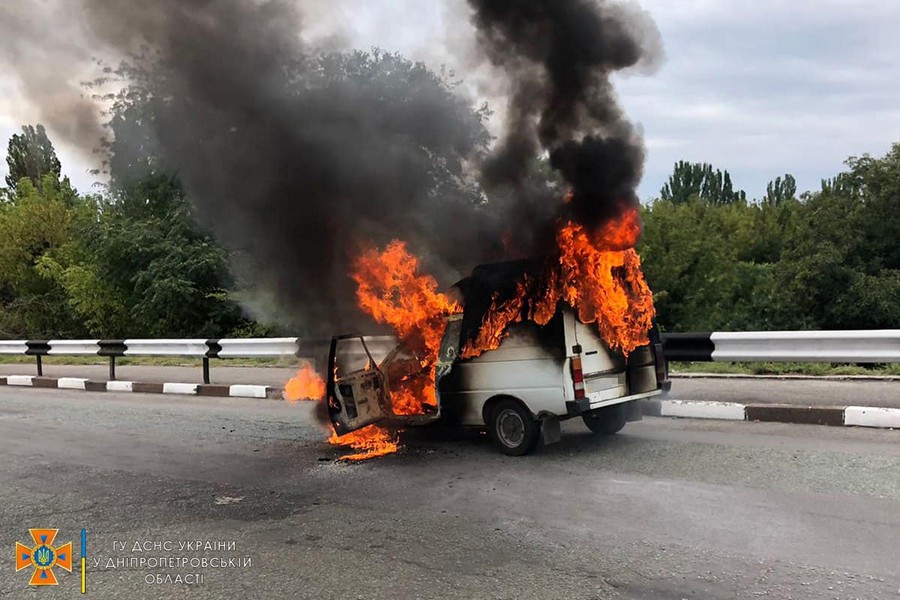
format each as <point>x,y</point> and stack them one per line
<point>391,289</point>
<point>596,273</point>
<point>369,442</point>
<point>607,287</point>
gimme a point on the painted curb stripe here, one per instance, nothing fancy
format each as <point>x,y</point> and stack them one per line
<point>119,386</point>
<point>189,389</point>
<point>142,387</point>
<point>208,389</point>
<point>801,415</point>
<point>869,416</point>
<point>43,382</point>
<point>248,391</point>
<point>94,386</point>
<point>19,380</point>
<point>860,416</point>
<point>71,383</point>
<point>702,410</point>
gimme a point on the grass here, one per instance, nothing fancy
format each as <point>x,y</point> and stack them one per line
<point>771,368</point>
<point>153,361</point>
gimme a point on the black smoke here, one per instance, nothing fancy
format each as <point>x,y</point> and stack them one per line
<point>558,56</point>
<point>297,159</point>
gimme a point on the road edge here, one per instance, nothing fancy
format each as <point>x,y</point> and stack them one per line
<point>676,375</point>
<point>849,416</point>
<point>144,387</point>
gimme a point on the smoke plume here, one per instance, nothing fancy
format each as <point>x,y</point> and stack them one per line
<point>292,161</point>
<point>295,167</point>
<point>558,56</point>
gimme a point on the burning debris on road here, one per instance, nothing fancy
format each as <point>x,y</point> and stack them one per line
<point>368,442</point>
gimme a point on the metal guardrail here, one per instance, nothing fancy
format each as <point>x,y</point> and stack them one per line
<point>860,346</point>
<point>200,348</point>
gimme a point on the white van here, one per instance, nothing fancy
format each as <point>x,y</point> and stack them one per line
<point>521,391</point>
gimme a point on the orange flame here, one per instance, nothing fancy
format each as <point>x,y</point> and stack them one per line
<point>607,287</point>
<point>390,288</point>
<point>305,385</point>
<point>598,275</point>
<point>371,441</point>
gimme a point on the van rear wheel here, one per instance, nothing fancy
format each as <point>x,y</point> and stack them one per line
<point>513,429</point>
<point>607,420</point>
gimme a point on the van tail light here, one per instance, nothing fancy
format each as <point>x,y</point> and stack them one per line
<point>578,377</point>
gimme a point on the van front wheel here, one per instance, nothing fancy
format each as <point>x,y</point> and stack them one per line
<point>607,420</point>
<point>513,429</point>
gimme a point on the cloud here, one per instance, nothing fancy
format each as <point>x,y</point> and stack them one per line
<point>767,87</point>
<point>760,88</point>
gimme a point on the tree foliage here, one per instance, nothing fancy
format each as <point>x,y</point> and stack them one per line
<point>700,180</point>
<point>31,155</point>
<point>828,260</point>
<point>134,261</point>
<point>41,228</point>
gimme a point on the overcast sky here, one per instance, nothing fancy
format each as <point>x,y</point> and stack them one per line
<point>758,87</point>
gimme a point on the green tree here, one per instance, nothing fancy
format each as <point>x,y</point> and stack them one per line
<point>781,190</point>
<point>700,180</point>
<point>151,270</point>
<point>696,259</point>
<point>41,228</point>
<point>841,268</point>
<point>31,155</point>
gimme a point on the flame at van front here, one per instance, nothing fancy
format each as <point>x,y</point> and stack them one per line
<point>391,289</point>
<point>368,442</point>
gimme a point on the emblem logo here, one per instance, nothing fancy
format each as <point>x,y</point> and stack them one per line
<point>43,556</point>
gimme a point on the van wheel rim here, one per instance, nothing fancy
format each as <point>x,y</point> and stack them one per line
<point>510,428</point>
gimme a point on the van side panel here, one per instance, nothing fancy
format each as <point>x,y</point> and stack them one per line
<point>521,367</point>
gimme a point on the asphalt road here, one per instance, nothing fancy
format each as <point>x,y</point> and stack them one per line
<point>789,391</point>
<point>668,509</point>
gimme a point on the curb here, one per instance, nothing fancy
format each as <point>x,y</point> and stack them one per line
<point>849,416</point>
<point>785,377</point>
<point>142,387</point>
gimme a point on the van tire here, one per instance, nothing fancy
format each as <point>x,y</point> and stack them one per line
<point>607,420</point>
<point>512,428</point>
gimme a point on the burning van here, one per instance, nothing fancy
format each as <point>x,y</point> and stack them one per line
<point>520,387</point>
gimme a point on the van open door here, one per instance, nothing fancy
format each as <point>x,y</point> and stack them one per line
<point>356,387</point>
<point>363,370</point>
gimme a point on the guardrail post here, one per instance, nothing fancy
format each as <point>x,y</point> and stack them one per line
<point>40,366</point>
<point>205,369</point>
<point>112,367</point>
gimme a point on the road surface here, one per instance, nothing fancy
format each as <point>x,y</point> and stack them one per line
<point>668,509</point>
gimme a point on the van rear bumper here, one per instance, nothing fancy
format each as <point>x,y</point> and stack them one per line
<point>596,400</point>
